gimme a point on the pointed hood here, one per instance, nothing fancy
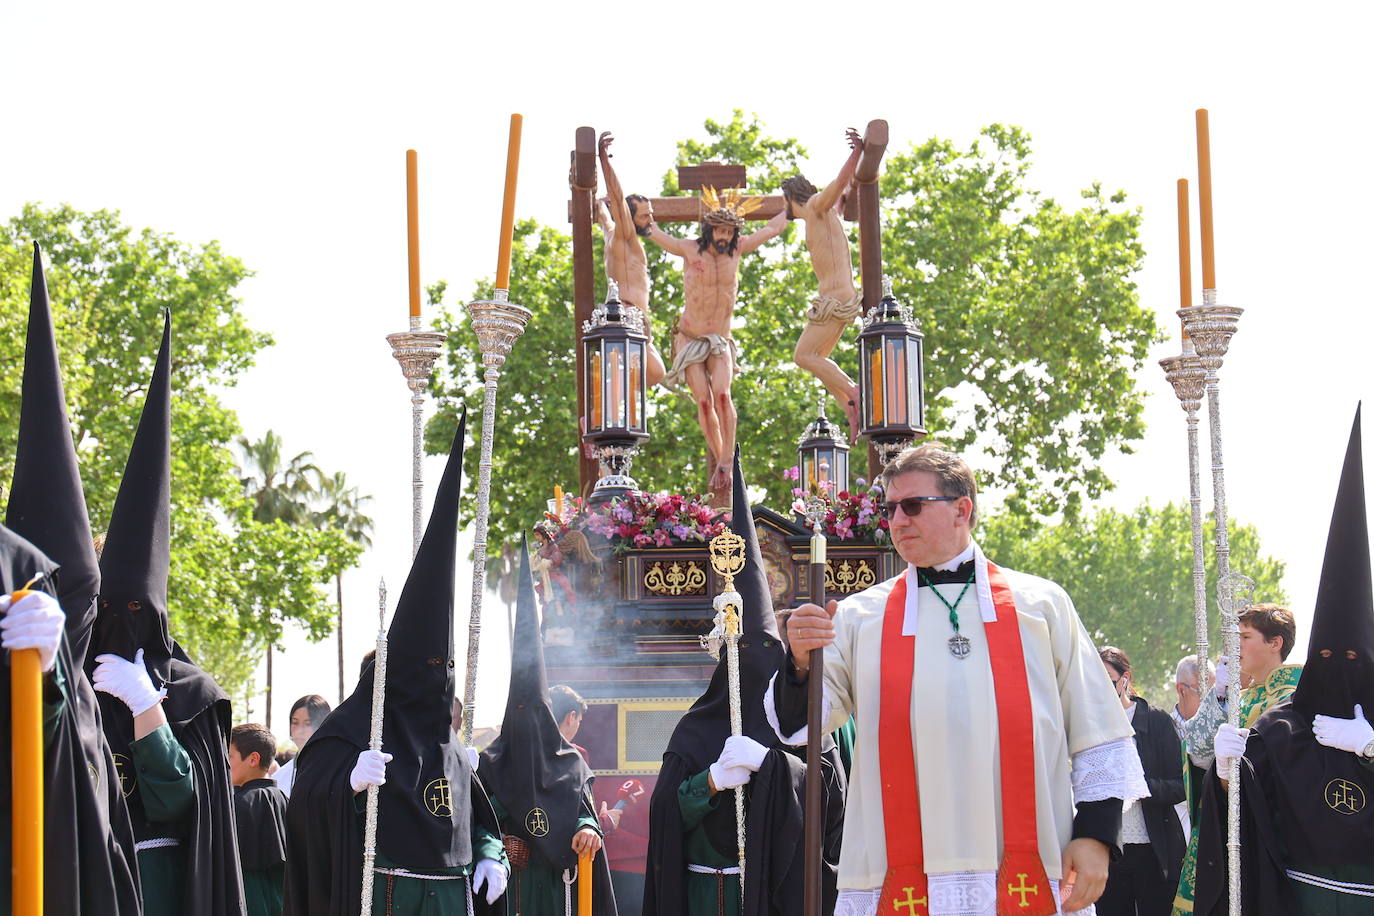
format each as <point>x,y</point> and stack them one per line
<point>47,505</point>
<point>137,554</point>
<point>538,777</point>
<point>1340,656</point>
<point>424,809</point>
<point>701,732</point>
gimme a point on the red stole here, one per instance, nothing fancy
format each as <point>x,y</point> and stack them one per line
<point>1023,888</point>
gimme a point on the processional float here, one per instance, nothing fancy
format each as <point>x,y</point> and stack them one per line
<point>1207,331</point>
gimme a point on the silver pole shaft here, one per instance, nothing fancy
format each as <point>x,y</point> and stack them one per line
<point>479,550</point>
<point>417,477</point>
<point>1199,555</point>
<point>378,705</point>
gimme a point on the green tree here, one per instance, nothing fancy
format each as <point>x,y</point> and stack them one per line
<point>278,489</point>
<point>341,507</point>
<point>1130,575</point>
<point>109,285</point>
<point>1034,331</point>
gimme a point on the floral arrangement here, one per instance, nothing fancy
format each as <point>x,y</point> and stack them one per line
<point>641,520</point>
<point>850,513</point>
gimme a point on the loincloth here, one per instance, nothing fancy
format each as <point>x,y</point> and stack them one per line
<point>828,309</point>
<point>696,351</point>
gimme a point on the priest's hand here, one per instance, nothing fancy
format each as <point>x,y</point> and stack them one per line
<point>1085,869</point>
<point>35,621</point>
<point>1353,735</point>
<point>127,681</point>
<point>370,770</point>
<point>742,751</point>
<point>586,840</point>
<point>494,875</point>
<point>809,627</point>
<point>723,778</point>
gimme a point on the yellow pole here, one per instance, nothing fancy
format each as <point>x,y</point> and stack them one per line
<point>26,834</point>
<point>584,884</point>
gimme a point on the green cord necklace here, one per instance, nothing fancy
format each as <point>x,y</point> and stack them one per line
<point>959,645</point>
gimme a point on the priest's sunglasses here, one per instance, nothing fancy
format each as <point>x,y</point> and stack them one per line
<point>912,505</point>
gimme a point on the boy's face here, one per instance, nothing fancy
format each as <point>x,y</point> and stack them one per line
<point>242,771</point>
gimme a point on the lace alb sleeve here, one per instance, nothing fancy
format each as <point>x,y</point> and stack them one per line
<point>1110,770</point>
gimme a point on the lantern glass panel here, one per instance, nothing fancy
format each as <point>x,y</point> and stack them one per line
<point>636,393</point>
<point>895,379</point>
<point>873,368</point>
<point>594,420</point>
<point>917,396</point>
<point>615,384</point>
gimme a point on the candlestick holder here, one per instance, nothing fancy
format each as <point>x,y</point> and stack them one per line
<point>417,352</point>
<point>498,323</point>
<point>1188,377</point>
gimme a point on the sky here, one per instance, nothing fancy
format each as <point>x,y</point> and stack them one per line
<point>280,129</point>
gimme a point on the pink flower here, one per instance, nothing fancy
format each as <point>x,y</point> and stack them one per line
<point>792,473</point>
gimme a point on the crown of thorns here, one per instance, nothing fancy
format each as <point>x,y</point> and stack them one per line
<point>727,208</point>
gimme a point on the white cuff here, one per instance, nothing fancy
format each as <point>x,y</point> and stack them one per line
<point>1110,770</point>
<point>770,712</point>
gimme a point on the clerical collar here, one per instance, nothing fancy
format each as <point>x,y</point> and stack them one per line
<point>958,569</point>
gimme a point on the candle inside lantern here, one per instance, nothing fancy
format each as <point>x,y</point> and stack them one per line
<point>634,389</point>
<point>413,230</point>
<point>1204,200</point>
<point>614,413</point>
<point>558,501</point>
<point>1185,265</point>
<point>508,204</point>
<point>875,384</point>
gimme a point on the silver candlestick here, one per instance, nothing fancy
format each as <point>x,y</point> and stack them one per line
<point>1211,327</point>
<point>417,352</point>
<point>498,323</point>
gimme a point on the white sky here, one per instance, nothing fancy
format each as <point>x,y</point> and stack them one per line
<point>279,129</point>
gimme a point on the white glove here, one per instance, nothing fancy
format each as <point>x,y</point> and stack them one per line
<point>742,751</point>
<point>473,757</point>
<point>1228,744</point>
<point>128,681</point>
<point>1351,735</point>
<point>33,622</point>
<point>729,777</point>
<point>494,875</point>
<point>1223,677</point>
<point>370,770</point>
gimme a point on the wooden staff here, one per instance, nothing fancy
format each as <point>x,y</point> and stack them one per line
<point>584,884</point>
<point>378,705</point>
<point>813,824</point>
<point>26,831</point>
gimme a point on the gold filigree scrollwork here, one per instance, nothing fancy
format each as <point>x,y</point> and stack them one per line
<point>677,577</point>
<point>848,576</point>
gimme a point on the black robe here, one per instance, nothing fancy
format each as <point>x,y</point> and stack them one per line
<point>89,862</point>
<point>260,824</point>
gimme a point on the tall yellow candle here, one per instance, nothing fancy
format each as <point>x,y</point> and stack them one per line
<point>558,501</point>
<point>26,826</point>
<point>508,205</point>
<point>1185,263</point>
<point>875,375</point>
<point>1204,200</point>
<point>595,383</point>
<point>413,230</point>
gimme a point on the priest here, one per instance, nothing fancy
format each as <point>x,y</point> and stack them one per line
<point>1307,770</point>
<point>693,857</point>
<point>166,720</point>
<point>985,684</point>
<point>540,785</point>
<point>88,839</point>
<point>438,845</point>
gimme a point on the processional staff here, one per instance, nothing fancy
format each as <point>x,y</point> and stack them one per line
<point>813,823</point>
<point>727,559</point>
<point>375,743</point>
<point>26,826</point>
<point>498,324</point>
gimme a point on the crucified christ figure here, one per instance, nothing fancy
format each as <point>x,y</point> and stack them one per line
<point>704,353</point>
<point>623,220</point>
<point>837,302</point>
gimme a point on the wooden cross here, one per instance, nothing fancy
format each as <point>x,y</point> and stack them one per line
<point>582,177</point>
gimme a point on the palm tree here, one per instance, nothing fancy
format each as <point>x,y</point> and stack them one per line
<point>343,510</point>
<point>278,490</point>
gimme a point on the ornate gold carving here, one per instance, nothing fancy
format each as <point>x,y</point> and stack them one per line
<point>675,577</point>
<point>1344,797</point>
<point>848,576</point>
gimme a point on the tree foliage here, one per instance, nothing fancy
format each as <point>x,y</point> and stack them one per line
<point>1033,331</point>
<point>1130,575</point>
<point>235,581</point>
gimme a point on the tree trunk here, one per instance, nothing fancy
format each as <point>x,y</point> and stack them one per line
<point>338,587</point>
<point>268,714</point>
